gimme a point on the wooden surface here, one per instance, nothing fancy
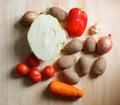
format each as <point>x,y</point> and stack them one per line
<point>15,90</point>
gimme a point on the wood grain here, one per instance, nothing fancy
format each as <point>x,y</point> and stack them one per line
<point>15,90</point>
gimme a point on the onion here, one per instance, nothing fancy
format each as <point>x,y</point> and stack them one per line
<point>104,44</point>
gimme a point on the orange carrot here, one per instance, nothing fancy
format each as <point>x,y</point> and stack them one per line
<point>65,90</point>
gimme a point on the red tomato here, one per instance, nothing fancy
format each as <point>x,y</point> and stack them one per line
<point>76,22</point>
<point>35,75</point>
<point>49,71</point>
<point>22,69</point>
<point>33,61</point>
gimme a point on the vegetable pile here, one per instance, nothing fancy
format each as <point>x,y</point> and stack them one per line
<point>47,39</point>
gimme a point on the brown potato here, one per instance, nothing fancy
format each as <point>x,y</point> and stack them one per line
<point>89,45</point>
<point>99,66</point>
<point>28,18</point>
<point>66,61</point>
<point>74,46</point>
<point>70,76</point>
<point>84,65</point>
<point>58,13</point>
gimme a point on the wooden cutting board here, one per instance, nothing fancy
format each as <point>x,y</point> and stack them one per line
<point>14,90</point>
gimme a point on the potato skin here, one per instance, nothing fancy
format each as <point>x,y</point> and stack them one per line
<point>99,66</point>
<point>74,46</point>
<point>84,65</point>
<point>70,76</point>
<point>66,61</point>
<point>89,45</point>
<point>58,13</point>
<point>28,18</point>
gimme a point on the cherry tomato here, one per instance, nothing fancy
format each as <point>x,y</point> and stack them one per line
<point>33,61</point>
<point>35,75</point>
<point>49,71</point>
<point>22,69</point>
<point>76,22</point>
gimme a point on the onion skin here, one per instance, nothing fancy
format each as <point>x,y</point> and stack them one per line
<point>104,44</point>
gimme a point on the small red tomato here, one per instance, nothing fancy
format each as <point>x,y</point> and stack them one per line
<point>33,61</point>
<point>22,69</point>
<point>76,22</point>
<point>49,71</point>
<point>35,75</point>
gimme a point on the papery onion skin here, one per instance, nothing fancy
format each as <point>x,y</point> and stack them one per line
<point>104,44</point>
